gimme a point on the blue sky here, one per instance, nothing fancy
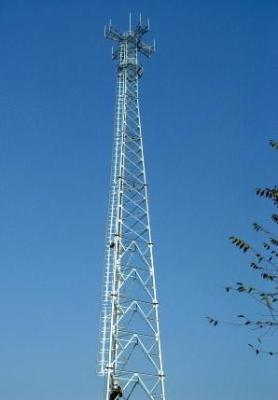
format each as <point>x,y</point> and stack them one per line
<point>209,108</point>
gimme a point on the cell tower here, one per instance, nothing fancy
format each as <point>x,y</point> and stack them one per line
<point>130,349</point>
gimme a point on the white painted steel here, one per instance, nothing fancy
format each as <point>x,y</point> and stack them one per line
<point>130,346</point>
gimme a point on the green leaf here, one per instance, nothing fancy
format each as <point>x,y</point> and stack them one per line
<point>273,144</point>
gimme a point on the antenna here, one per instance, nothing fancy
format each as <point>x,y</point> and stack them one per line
<point>134,36</point>
<point>130,22</point>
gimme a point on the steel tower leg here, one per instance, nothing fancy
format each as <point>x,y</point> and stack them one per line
<point>130,348</point>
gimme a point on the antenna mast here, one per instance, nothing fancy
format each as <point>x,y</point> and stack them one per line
<point>130,348</point>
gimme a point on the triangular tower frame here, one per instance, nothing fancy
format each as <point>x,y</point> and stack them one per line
<point>129,358</point>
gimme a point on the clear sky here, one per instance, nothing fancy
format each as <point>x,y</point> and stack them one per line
<point>209,106</point>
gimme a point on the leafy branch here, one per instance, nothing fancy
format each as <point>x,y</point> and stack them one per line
<point>265,262</point>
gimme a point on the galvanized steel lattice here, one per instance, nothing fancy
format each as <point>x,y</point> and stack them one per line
<point>130,348</point>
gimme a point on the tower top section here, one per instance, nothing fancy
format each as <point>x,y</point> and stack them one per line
<point>131,38</point>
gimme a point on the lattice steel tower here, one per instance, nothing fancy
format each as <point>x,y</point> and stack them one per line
<point>130,348</point>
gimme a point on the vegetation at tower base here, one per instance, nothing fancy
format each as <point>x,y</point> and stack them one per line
<point>264,262</point>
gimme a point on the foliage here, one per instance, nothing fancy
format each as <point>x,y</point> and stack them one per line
<point>265,262</point>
